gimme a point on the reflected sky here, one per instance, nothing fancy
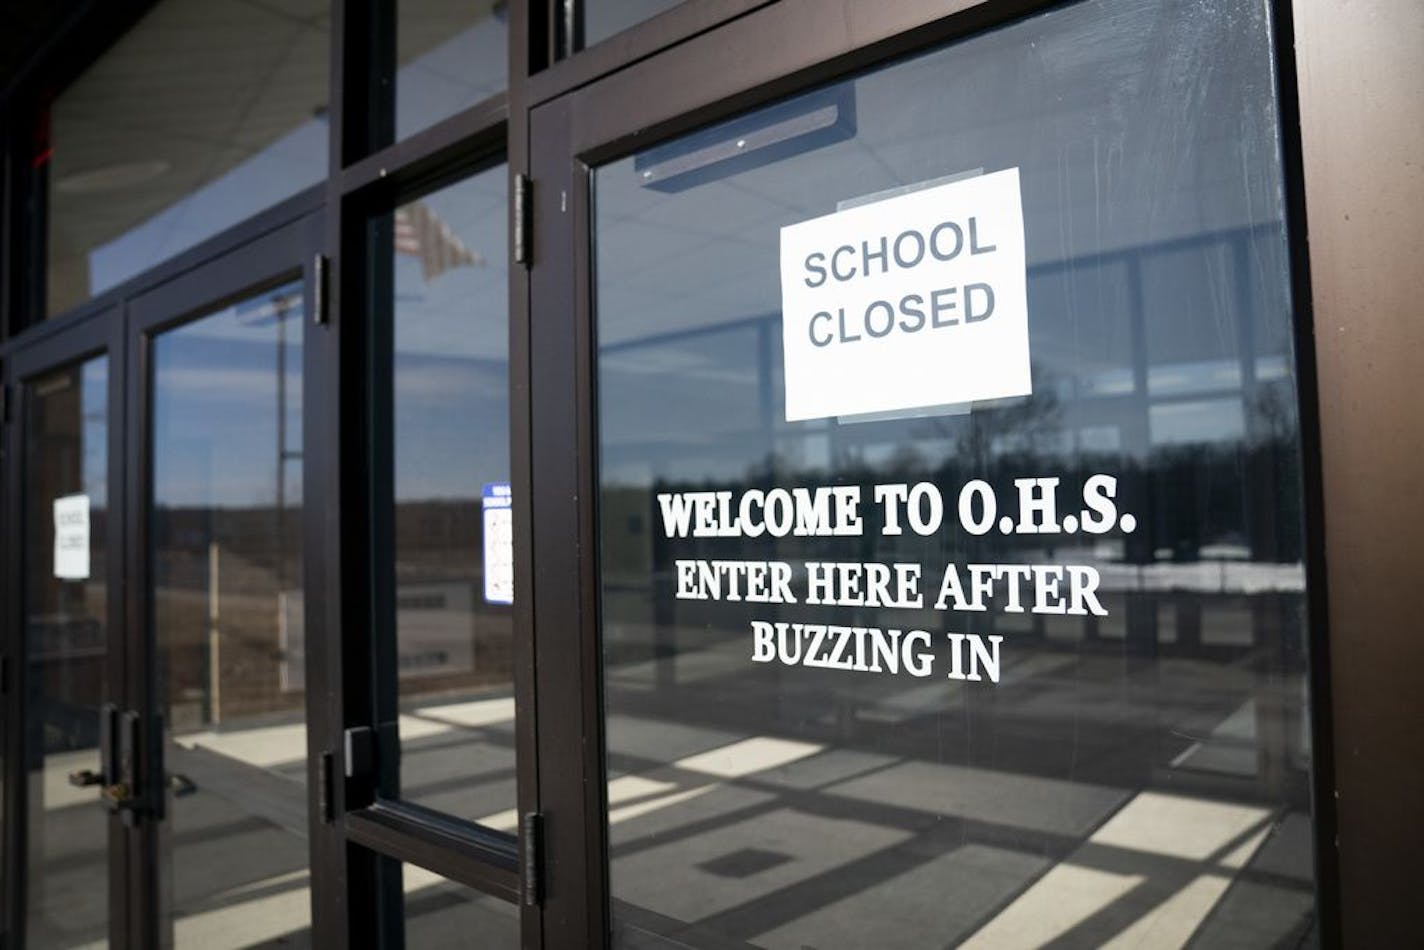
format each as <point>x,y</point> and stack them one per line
<point>451,345</point>
<point>241,365</point>
<point>451,339</point>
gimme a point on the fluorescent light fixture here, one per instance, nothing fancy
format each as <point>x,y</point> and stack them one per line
<point>769,135</point>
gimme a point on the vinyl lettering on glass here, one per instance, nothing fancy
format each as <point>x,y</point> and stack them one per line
<point>832,511</point>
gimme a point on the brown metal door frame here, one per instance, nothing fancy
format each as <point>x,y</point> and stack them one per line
<point>1359,77</point>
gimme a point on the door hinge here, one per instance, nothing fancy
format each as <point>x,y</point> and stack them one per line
<point>319,315</point>
<point>523,220</point>
<point>531,838</point>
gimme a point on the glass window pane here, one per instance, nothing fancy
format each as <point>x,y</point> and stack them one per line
<point>451,54</point>
<point>67,642</point>
<point>441,913</point>
<point>452,556</point>
<point>228,626</point>
<point>802,762</point>
<point>142,166</point>
<point>603,18</point>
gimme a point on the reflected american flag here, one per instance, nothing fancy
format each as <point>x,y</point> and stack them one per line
<point>422,233</point>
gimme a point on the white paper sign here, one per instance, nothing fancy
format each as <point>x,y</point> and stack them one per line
<point>499,543</point>
<point>71,537</point>
<point>912,301</point>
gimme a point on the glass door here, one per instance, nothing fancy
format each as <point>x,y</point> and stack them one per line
<point>74,749</point>
<point>219,473</point>
<point>944,580</point>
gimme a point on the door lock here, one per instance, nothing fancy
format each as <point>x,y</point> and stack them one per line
<point>119,795</point>
<point>122,791</point>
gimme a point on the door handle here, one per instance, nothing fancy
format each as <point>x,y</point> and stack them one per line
<point>123,791</point>
<point>126,790</point>
<point>85,777</point>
